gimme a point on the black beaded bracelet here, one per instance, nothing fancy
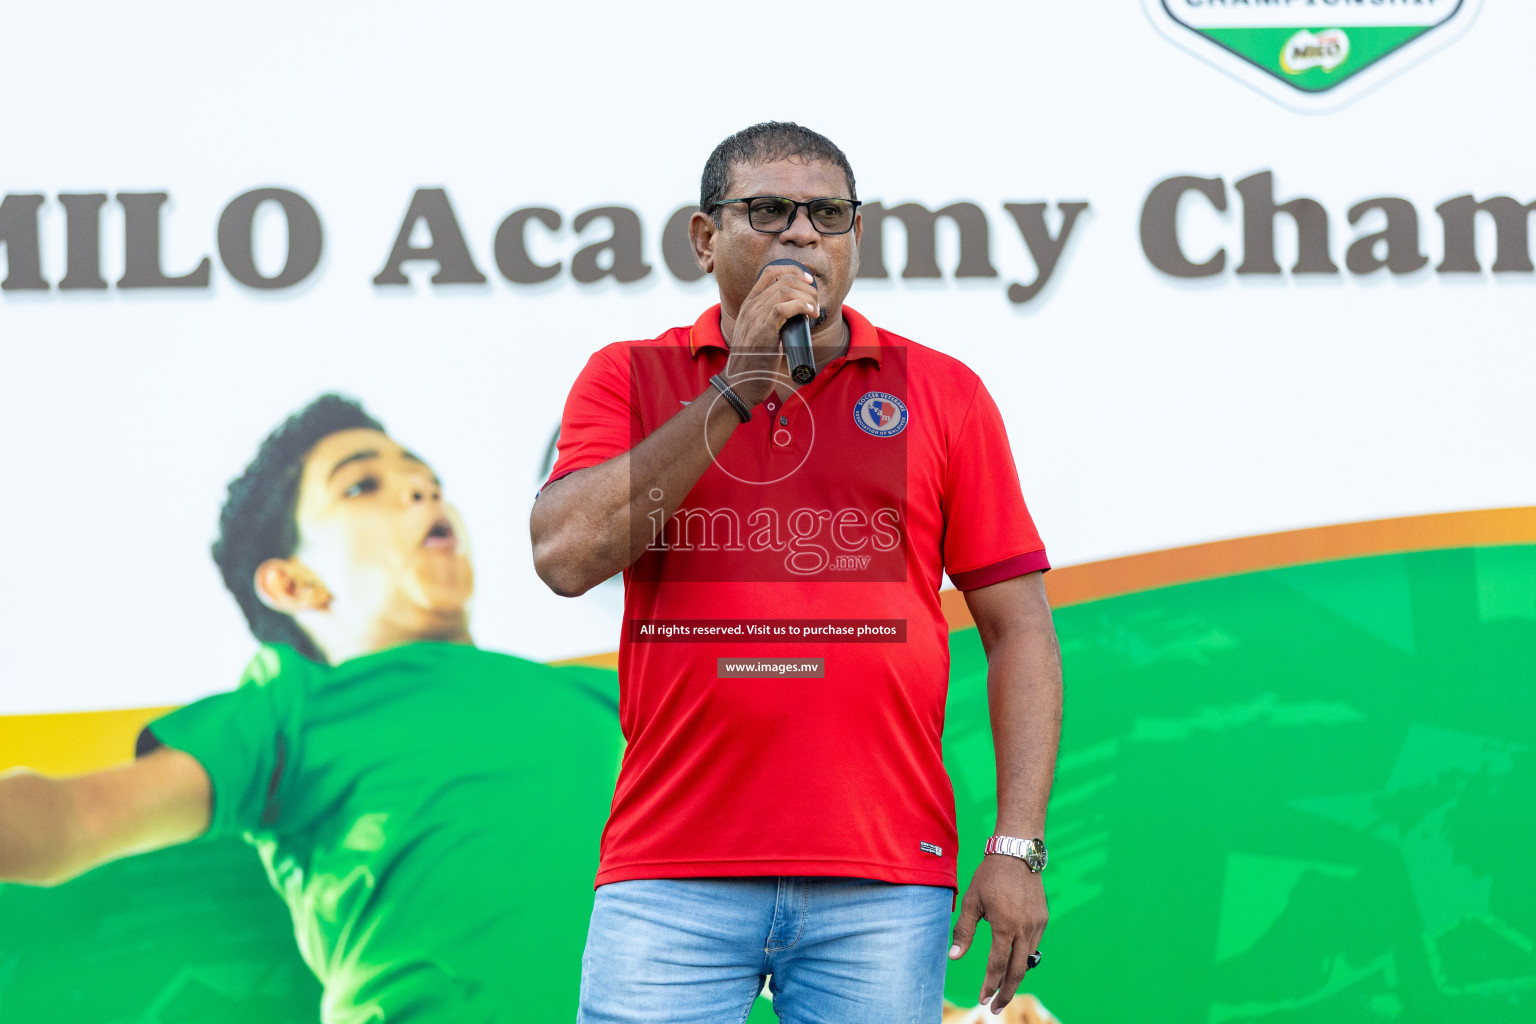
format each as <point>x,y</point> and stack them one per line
<point>731,396</point>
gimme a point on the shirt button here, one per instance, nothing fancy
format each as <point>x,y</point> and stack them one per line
<point>783,421</point>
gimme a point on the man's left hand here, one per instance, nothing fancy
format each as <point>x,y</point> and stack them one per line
<point>1012,900</point>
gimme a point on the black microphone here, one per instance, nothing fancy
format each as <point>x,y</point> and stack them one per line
<point>795,336</point>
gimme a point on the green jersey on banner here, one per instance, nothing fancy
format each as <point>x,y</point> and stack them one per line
<point>416,808</point>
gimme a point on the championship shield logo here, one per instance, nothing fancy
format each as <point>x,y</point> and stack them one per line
<point>1312,55</point>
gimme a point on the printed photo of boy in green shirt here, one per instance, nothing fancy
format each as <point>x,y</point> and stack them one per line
<point>430,812</point>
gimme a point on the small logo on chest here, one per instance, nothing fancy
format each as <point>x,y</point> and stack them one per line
<point>880,414</point>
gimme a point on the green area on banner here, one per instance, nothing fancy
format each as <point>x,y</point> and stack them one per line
<point>1263,46</point>
<point>1296,795</point>
<point>193,935</point>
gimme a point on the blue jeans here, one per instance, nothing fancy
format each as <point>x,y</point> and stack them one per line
<point>696,951</point>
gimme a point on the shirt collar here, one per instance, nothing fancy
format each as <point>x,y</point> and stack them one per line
<point>863,338</point>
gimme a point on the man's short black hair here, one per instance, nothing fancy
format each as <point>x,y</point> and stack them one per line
<point>761,144</point>
<point>258,519</point>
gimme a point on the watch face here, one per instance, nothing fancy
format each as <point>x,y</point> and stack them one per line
<point>1035,855</point>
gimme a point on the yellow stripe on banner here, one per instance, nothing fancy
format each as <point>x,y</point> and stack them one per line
<point>609,660</point>
<point>1114,577</point>
<point>72,743</point>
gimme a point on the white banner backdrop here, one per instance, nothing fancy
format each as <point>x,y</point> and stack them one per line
<point>1147,409</point>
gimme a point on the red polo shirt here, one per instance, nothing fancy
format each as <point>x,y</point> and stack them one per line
<point>784,660</point>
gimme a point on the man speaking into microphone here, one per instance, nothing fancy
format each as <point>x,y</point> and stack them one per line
<point>783,519</point>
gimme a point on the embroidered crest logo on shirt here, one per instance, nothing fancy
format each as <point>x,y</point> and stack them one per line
<point>880,414</point>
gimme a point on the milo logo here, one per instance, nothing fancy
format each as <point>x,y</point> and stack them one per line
<point>1304,51</point>
<point>1312,55</point>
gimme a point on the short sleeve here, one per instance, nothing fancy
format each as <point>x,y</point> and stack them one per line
<point>989,535</point>
<point>246,740</point>
<point>600,419</point>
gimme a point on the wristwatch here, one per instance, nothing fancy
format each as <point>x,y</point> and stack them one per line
<point>1030,851</point>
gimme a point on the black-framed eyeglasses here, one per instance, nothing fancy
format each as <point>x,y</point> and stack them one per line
<point>773,214</point>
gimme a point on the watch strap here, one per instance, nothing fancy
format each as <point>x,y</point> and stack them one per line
<point>1030,851</point>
